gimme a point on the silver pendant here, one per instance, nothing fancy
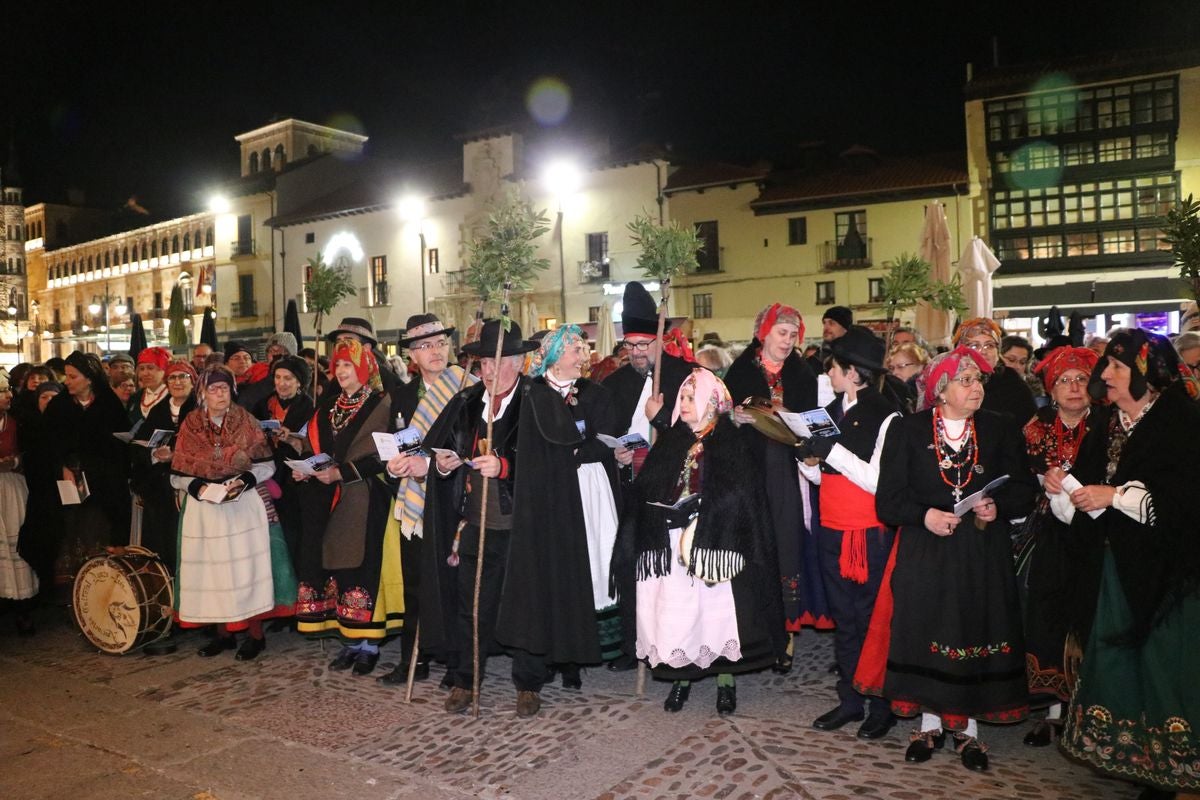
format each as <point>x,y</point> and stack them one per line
<point>978,469</point>
<point>957,494</point>
<point>1066,465</point>
<point>946,463</point>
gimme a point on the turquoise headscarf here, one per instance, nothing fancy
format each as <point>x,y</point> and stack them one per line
<point>552,348</point>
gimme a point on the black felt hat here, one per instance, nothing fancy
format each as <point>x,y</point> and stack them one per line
<point>362,328</point>
<point>513,343</point>
<point>858,348</point>
<point>639,312</point>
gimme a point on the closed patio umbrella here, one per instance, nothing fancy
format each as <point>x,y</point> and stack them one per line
<point>208,329</point>
<point>935,248</point>
<point>977,265</point>
<point>137,336</point>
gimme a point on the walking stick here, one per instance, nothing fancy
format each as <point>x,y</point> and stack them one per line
<point>412,663</point>
<point>483,513</point>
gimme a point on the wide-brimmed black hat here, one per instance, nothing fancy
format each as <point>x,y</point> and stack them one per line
<point>422,326</point>
<point>362,328</point>
<point>858,348</point>
<point>639,312</point>
<point>513,343</point>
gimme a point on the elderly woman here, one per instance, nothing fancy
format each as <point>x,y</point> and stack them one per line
<point>151,377</point>
<point>83,421</point>
<point>1187,345</point>
<point>233,564</point>
<point>954,652</point>
<point>904,363</point>
<point>1136,706</point>
<point>770,369</point>
<point>151,475</point>
<point>1048,561</point>
<point>568,475</point>
<point>350,579</point>
<point>705,585</point>
<point>1007,392</point>
<point>17,579</point>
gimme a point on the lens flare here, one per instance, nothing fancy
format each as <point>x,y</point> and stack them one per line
<point>548,100</point>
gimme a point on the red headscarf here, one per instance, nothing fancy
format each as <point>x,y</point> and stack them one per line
<point>182,366</point>
<point>158,356</point>
<point>365,366</point>
<point>1061,359</point>
<point>774,314</point>
<point>676,344</point>
<point>947,364</point>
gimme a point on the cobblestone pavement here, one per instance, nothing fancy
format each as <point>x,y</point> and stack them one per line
<point>77,723</point>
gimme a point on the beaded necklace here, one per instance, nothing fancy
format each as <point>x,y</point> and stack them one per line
<point>963,462</point>
<point>1067,440</point>
<point>345,407</point>
<point>568,389</point>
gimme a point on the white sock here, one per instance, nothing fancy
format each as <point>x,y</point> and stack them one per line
<point>368,647</point>
<point>972,731</point>
<point>1055,711</point>
<point>930,722</point>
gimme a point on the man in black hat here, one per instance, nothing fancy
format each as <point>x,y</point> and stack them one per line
<point>418,403</point>
<point>853,545</point>
<point>637,409</point>
<point>360,330</point>
<point>446,612</point>
<point>835,322</point>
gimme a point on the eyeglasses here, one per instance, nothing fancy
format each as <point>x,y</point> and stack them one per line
<point>1078,380</point>
<point>967,381</point>
<point>895,367</point>
<point>431,345</point>
<point>179,376</point>
<point>1013,361</point>
<point>977,347</point>
<point>640,346</point>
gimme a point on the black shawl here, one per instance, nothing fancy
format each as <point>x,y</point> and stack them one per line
<point>745,379</point>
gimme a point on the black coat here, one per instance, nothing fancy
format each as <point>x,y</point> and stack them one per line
<point>1007,393</point>
<point>152,482</point>
<point>546,606</point>
<point>745,379</point>
<point>626,385</point>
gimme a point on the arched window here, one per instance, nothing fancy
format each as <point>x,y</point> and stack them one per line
<point>175,244</point>
<point>125,252</point>
<point>266,159</point>
<point>280,156</point>
<point>107,260</point>
<point>187,241</point>
<point>143,251</point>
<point>20,266</point>
<point>89,264</point>
<point>153,249</point>
<point>208,237</point>
<point>165,248</point>
<point>74,267</point>
<point>253,163</point>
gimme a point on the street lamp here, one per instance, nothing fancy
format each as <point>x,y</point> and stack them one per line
<point>102,303</point>
<point>411,208</point>
<point>562,178</point>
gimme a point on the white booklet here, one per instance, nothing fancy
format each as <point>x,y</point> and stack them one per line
<point>311,465</point>
<point>222,492</point>
<point>390,445</point>
<point>72,493</point>
<point>968,502</point>
<point>160,437</point>
<point>630,441</point>
<point>809,424</point>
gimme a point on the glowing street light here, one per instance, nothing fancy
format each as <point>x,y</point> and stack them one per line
<point>411,208</point>
<point>219,204</point>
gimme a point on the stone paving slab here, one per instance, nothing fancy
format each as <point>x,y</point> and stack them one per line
<point>286,726</point>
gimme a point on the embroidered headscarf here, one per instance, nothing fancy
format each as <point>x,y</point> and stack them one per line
<point>553,345</point>
<point>975,327</point>
<point>708,390</point>
<point>217,373</point>
<point>1061,359</point>
<point>1152,360</point>
<point>363,360</point>
<point>676,344</point>
<point>776,314</point>
<point>181,366</point>
<point>942,369</point>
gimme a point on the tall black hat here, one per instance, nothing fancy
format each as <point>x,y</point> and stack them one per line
<point>639,312</point>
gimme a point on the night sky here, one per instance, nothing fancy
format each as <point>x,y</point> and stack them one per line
<point>146,100</point>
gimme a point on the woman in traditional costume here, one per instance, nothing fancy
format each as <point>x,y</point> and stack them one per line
<point>706,571</point>
<point>954,653</point>
<point>771,369</point>
<point>234,569</point>
<point>1136,705</point>
<point>1048,560</point>
<point>17,580</point>
<point>575,485</point>
<point>350,579</point>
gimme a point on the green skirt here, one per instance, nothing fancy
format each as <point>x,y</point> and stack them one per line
<point>1134,708</point>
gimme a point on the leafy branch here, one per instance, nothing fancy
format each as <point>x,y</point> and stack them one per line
<point>1182,233</point>
<point>327,286</point>
<point>504,258</point>
<point>909,281</point>
<point>667,250</point>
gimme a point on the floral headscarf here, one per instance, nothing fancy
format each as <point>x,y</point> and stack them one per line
<point>946,366</point>
<point>553,346</point>
<point>708,389</point>
<point>1152,360</point>
<point>776,314</point>
<point>1061,359</point>
<point>366,368</point>
<point>975,327</point>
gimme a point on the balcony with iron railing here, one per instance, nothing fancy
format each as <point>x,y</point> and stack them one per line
<point>595,271</point>
<point>244,308</point>
<point>242,248</point>
<point>846,254</point>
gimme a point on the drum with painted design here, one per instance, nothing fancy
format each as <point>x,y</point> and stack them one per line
<point>124,599</point>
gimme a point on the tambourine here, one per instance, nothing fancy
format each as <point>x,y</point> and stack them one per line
<point>766,422</point>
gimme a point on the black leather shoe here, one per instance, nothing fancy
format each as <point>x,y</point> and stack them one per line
<point>782,665</point>
<point>399,676</point>
<point>973,754</point>
<point>1042,735</point>
<point>571,678</point>
<point>447,681</point>
<point>832,720</point>
<point>216,646</point>
<point>622,663</point>
<point>677,697</point>
<point>922,746</point>
<point>364,662</point>
<point>876,726</point>
<point>726,700</point>
<point>250,648</point>
<point>344,660</point>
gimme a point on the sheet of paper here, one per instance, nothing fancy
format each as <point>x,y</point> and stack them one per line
<point>386,446</point>
<point>213,492</point>
<point>310,466</point>
<point>1070,485</point>
<point>968,502</point>
<point>630,441</point>
<point>68,492</point>
<point>160,437</point>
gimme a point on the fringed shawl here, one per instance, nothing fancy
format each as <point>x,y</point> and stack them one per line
<point>241,444</point>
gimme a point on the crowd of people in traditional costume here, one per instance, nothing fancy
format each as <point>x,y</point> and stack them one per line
<point>985,528</point>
